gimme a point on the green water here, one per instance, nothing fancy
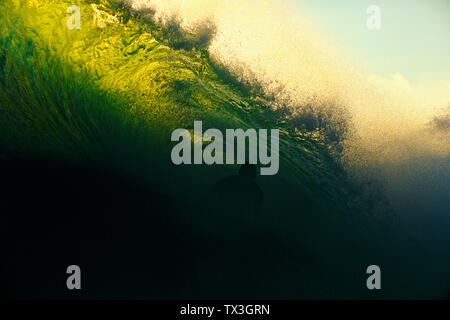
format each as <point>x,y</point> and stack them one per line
<point>109,95</point>
<point>82,94</point>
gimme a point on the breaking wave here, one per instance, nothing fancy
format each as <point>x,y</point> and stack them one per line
<point>379,123</point>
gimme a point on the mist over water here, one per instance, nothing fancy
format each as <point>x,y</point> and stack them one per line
<point>273,45</point>
<point>396,134</point>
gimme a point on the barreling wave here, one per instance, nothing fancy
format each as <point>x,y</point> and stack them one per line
<point>111,93</point>
<point>374,122</point>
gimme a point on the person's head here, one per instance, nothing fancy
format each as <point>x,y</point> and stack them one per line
<point>248,171</point>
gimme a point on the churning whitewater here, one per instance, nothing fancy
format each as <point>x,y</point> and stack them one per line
<point>384,123</point>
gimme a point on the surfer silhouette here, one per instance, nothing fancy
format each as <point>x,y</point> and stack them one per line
<point>238,193</point>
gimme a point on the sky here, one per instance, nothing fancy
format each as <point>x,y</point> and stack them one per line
<point>414,39</point>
